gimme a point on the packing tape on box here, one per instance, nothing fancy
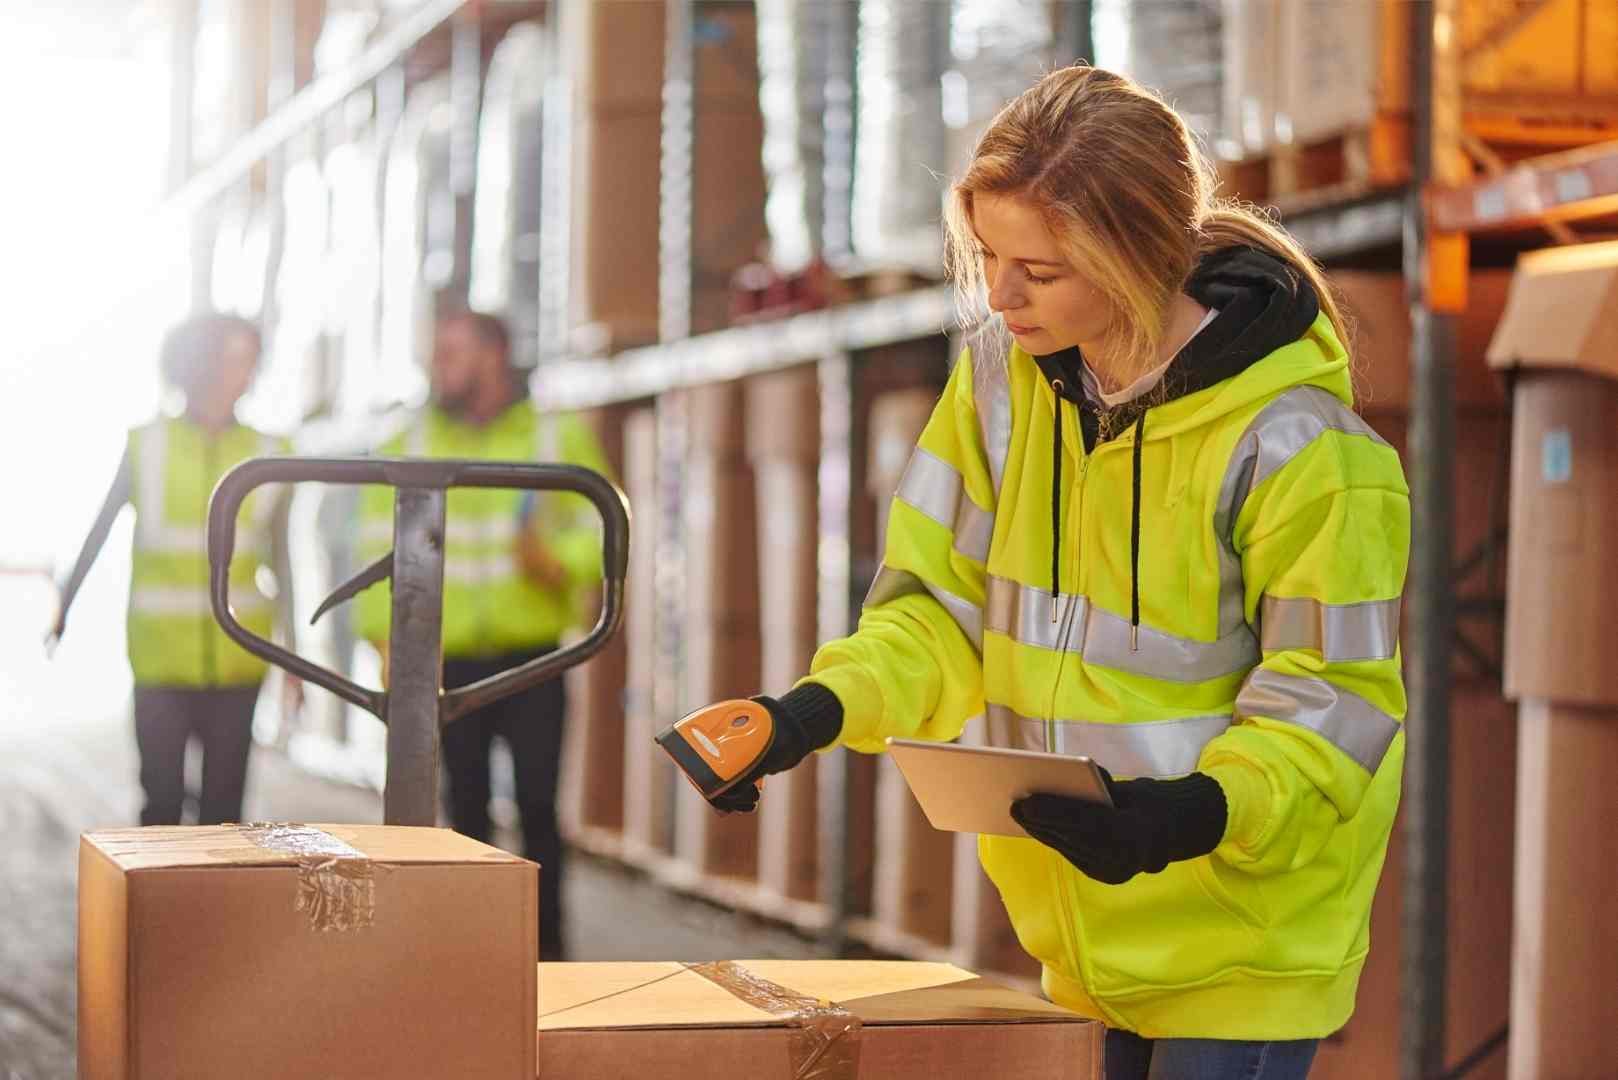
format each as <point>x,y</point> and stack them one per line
<point>335,886</point>
<point>825,1037</point>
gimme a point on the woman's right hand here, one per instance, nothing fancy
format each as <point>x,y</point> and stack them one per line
<point>805,719</point>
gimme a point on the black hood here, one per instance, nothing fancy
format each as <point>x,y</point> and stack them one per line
<point>1263,304</point>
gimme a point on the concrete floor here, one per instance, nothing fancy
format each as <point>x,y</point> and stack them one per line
<point>67,764</point>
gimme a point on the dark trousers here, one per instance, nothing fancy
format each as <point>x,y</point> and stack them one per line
<point>1130,1057</point>
<point>531,725</point>
<point>221,719</point>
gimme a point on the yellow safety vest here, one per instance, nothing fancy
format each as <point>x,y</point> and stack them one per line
<point>173,639</point>
<point>490,607</point>
<point>1274,533</point>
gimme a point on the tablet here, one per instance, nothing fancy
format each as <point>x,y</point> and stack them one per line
<point>971,788</point>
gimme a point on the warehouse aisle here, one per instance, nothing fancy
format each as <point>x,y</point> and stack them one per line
<point>67,763</point>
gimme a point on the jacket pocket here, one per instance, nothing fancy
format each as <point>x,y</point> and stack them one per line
<point>1241,895</point>
<point>1175,928</point>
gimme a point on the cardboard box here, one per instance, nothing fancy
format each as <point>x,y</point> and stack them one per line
<point>783,416</point>
<point>764,1019</point>
<point>715,420</point>
<point>788,546</point>
<point>722,662</point>
<point>1559,312</point>
<point>1562,575</point>
<point>616,189</point>
<point>914,871</point>
<point>619,48</point>
<point>648,772</point>
<point>1379,312</point>
<point>1560,331</point>
<point>304,950</point>
<point>1564,1019</point>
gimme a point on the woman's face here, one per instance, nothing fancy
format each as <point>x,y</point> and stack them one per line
<point>1047,304</point>
<point>233,371</point>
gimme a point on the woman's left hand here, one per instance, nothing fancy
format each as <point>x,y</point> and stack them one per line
<point>1150,824</point>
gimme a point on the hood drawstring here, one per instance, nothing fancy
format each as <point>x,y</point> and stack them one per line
<point>1134,519</point>
<point>1134,541</point>
<point>1056,497</point>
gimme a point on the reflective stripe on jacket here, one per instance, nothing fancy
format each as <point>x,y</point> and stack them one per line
<point>490,607</point>
<point>1227,601</point>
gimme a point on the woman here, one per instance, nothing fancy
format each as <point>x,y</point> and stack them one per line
<point>1150,530</point>
<point>191,681</point>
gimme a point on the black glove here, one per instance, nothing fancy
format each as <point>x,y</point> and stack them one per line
<point>1150,824</point>
<point>805,719</point>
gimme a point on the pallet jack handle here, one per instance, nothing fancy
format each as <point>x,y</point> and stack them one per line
<point>415,707</point>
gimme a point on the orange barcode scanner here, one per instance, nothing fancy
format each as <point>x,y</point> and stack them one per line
<point>718,745</point>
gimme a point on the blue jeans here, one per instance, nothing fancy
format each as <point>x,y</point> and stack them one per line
<point>1130,1057</point>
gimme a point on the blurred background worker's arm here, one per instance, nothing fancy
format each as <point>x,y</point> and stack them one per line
<point>117,498</point>
<point>559,545</point>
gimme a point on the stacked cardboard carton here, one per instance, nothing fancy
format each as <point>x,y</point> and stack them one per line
<point>648,774</point>
<point>721,611</point>
<point>913,881</point>
<point>1560,337</point>
<point>618,54</point>
<point>783,448</point>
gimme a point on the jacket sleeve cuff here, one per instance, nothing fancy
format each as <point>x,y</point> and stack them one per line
<point>1247,799</point>
<point>817,709</point>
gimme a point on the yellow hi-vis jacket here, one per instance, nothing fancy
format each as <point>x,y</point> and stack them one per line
<point>173,639</point>
<point>1273,540</point>
<point>490,607</point>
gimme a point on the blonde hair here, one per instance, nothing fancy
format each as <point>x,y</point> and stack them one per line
<point>1122,184</point>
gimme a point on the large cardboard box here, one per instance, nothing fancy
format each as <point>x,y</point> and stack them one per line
<point>1560,332</point>
<point>914,869</point>
<point>779,1019</point>
<point>1564,949</point>
<point>304,950</point>
<point>1378,308</point>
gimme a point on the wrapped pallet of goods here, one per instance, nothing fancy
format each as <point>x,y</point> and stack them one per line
<point>1317,92</point>
<point>900,150</point>
<point>805,50</point>
<point>998,49</point>
<point>1559,340</point>
<point>1175,47</point>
